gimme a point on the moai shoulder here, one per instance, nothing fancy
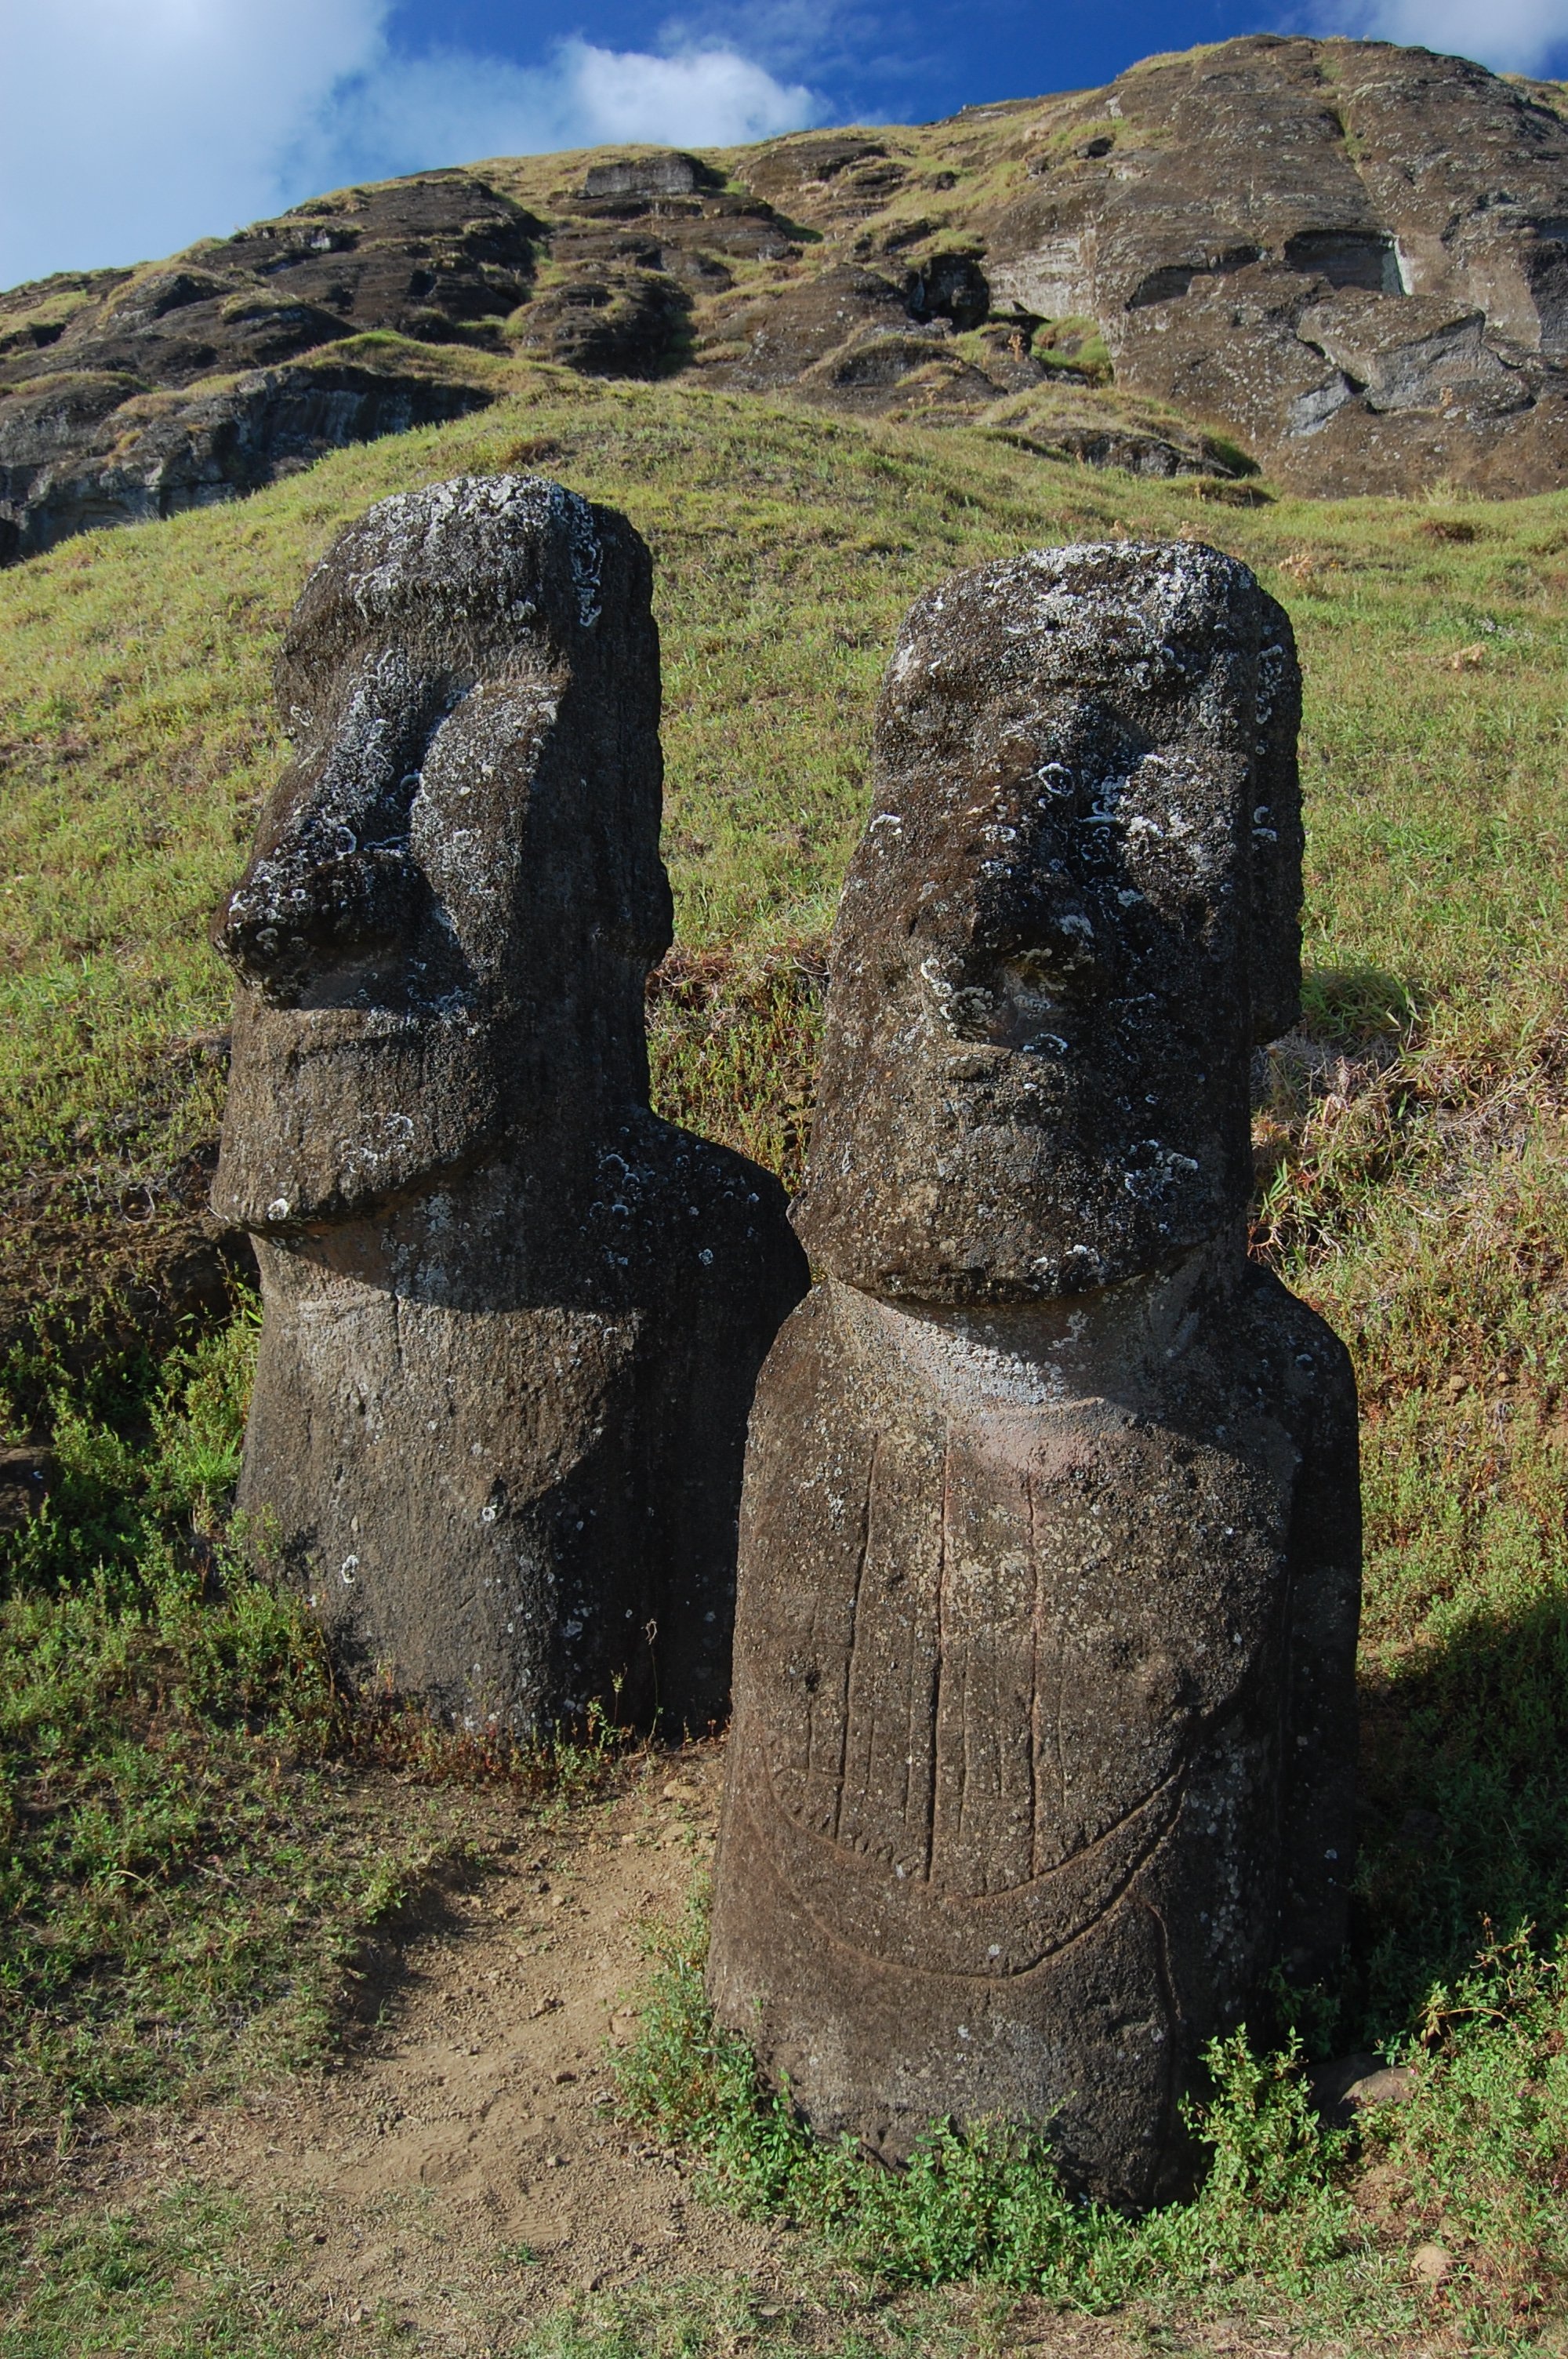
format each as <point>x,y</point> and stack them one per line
<point>511,1319</point>
<point>1050,1549</point>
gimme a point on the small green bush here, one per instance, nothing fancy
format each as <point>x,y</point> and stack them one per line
<point>987,2201</point>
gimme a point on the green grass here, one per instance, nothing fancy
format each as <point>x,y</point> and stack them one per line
<point>190,1863</point>
<point>136,738</point>
<point>831,2317</point>
<point>185,1872</point>
<point>1324,2222</point>
<point>1411,1184</point>
<point>161,2281</point>
<point>988,2204</point>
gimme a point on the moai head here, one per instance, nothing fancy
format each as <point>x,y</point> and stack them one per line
<point>444,930</point>
<point>1071,915</point>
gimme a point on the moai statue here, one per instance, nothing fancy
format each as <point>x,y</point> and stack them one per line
<point>511,1321</point>
<point>1044,1716</point>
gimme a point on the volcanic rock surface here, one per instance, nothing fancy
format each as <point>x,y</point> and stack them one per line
<point>1045,1731</point>
<point>128,394</point>
<point>511,1319</point>
<point>1341,262</point>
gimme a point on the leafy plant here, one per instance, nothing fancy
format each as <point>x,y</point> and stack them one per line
<point>987,2201</point>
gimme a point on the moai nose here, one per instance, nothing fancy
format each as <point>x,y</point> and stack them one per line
<point>332,876</point>
<point>319,895</point>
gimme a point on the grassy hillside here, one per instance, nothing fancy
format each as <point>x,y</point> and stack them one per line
<point>1413,1181</point>
<point>136,734</point>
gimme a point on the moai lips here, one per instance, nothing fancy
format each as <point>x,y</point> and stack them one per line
<point>1050,1544</point>
<point>511,1321</point>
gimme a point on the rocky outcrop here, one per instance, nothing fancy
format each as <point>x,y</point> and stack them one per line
<point>1044,1731</point>
<point>77,452</point>
<point>442,258</point>
<point>1342,262</point>
<point>511,1319</point>
<point>1351,255</point>
<point>620,320</point>
<point>1350,258</point>
<point>89,433</point>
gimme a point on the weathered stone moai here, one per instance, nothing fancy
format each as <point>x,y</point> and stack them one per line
<point>511,1321</point>
<point>1044,1716</point>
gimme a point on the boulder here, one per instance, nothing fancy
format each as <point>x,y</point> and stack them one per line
<point>1044,1709</point>
<point>1413,354</point>
<point>511,1319</point>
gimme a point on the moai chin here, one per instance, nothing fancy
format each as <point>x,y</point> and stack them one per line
<point>1045,1713</point>
<point>511,1321</point>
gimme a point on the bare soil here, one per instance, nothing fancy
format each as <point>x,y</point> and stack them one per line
<point>459,2171</point>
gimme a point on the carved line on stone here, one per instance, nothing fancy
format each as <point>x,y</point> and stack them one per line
<point>1173,2008</point>
<point>904,1920</point>
<point>860,1557</point>
<point>1031,1508</point>
<point>933,1755</point>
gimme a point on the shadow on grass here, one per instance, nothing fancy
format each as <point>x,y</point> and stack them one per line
<point>1347,1006</point>
<point>1464,1812</point>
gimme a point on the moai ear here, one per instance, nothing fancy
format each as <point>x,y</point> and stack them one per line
<point>1275,957</point>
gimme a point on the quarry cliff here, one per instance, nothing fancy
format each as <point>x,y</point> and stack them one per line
<point>1341,264</point>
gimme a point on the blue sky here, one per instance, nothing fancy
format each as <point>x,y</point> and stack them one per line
<point>129,127</point>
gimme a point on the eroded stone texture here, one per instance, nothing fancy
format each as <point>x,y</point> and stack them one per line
<point>1050,1545</point>
<point>129,395</point>
<point>512,1321</point>
<point>1351,255</point>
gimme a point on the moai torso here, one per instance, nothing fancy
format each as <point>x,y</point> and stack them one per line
<point>512,1321</point>
<point>1044,1723</point>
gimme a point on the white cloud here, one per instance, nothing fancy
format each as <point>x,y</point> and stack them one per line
<point>1510,36</point>
<point>130,127</point>
<point>452,108</point>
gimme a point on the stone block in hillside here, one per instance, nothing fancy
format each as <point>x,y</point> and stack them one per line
<point>512,1321</point>
<point>1044,1723</point>
<point>666,173</point>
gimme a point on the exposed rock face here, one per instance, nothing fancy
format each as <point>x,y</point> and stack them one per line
<point>89,434</point>
<point>638,244</point>
<point>511,1319</point>
<point>1340,261</point>
<point>442,258</point>
<point>1345,254</point>
<point>1350,255</point>
<point>76,453</point>
<point>623,321</point>
<point>1044,1706</point>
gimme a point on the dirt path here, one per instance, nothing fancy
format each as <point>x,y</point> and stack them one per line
<point>461,2173</point>
<point>462,2170</point>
